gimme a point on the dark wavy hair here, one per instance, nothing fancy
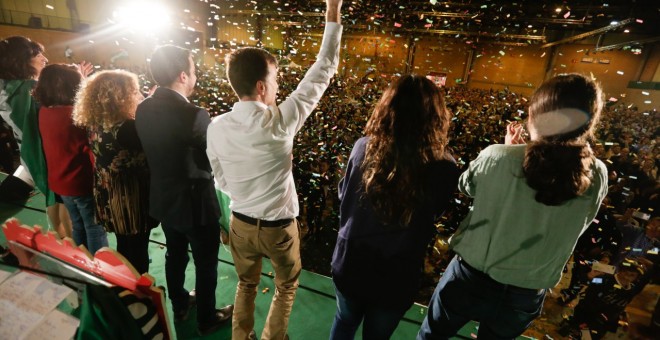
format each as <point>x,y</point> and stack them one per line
<point>57,85</point>
<point>407,130</point>
<point>558,167</point>
<point>16,55</point>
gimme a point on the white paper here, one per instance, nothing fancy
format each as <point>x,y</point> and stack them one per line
<point>25,300</point>
<point>55,326</point>
<point>4,275</point>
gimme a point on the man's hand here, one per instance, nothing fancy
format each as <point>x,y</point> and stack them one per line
<point>333,11</point>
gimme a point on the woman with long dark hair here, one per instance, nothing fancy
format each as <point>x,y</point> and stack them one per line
<point>531,203</point>
<point>398,182</point>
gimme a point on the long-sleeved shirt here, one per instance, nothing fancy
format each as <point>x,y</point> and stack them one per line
<point>508,234</point>
<point>250,147</point>
<point>375,258</point>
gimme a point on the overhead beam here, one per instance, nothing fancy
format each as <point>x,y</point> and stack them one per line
<point>474,33</point>
<point>590,33</point>
<point>624,44</point>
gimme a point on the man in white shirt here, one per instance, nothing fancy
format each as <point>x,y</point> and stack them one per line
<point>250,150</point>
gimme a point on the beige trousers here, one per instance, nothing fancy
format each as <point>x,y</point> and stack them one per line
<point>249,244</point>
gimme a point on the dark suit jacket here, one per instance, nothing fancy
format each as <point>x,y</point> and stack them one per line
<point>173,135</point>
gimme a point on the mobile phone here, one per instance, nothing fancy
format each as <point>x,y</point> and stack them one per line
<point>602,267</point>
<point>641,215</point>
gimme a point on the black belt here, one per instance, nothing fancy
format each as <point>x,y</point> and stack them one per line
<point>262,223</point>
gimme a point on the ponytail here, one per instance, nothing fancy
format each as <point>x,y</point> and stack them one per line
<point>558,165</point>
<point>558,171</point>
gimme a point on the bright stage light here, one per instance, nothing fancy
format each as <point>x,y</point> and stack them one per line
<point>146,17</point>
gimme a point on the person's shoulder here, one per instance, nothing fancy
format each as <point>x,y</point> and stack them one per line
<point>600,166</point>
<point>360,145</point>
<point>504,149</point>
<point>217,122</point>
<point>498,152</point>
<point>361,142</point>
<point>446,165</point>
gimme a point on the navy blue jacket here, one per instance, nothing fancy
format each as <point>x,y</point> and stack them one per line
<point>382,264</point>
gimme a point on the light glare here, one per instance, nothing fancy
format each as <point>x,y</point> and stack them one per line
<point>145,17</point>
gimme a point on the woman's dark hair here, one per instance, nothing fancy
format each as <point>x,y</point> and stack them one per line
<point>16,55</point>
<point>245,67</point>
<point>57,85</point>
<point>167,62</point>
<point>558,167</point>
<point>407,130</point>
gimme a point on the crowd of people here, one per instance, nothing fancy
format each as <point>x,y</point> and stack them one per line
<point>308,147</point>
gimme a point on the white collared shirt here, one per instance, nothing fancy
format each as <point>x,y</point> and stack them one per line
<point>250,147</point>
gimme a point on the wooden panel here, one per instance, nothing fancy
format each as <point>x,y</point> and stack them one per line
<point>273,36</point>
<point>613,76</point>
<point>434,54</point>
<point>521,69</point>
<point>238,30</point>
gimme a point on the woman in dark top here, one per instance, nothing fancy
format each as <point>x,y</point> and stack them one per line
<point>106,105</point>
<point>398,182</point>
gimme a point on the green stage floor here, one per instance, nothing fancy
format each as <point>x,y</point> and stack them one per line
<point>313,310</point>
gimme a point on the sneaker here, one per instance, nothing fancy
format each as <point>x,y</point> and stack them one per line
<point>221,316</point>
<point>182,314</point>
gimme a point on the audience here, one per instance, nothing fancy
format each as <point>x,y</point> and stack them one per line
<point>603,302</point>
<point>627,141</point>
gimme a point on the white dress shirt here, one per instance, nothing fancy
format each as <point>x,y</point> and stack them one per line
<point>250,147</point>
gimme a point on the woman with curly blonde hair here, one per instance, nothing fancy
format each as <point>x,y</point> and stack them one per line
<point>106,105</point>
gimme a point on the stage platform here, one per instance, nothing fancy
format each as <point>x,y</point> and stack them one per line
<point>313,310</point>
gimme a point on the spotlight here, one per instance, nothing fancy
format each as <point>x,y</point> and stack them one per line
<point>558,10</point>
<point>144,16</point>
<point>614,23</point>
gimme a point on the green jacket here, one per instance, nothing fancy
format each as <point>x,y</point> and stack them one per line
<point>24,117</point>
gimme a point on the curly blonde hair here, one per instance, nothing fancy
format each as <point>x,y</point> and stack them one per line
<point>106,99</point>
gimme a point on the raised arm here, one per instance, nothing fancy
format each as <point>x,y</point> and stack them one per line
<point>332,11</point>
<point>304,99</point>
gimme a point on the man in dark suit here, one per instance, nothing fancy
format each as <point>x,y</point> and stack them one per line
<point>182,197</point>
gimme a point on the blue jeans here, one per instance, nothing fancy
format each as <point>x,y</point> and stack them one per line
<point>379,323</point>
<point>464,294</point>
<point>85,229</point>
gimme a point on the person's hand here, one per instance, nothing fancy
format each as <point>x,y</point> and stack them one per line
<point>85,68</point>
<point>514,134</point>
<point>152,90</point>
<point>333,10</point>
